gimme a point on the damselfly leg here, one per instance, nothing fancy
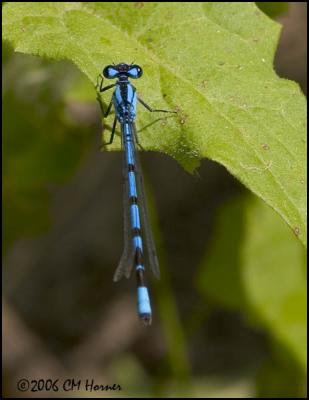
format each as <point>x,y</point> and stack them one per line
<point>100,89</point>
<point>154,109</point>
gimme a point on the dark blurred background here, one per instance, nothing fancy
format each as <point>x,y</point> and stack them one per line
<point>62,314</point>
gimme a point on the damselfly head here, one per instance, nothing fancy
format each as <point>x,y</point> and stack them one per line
<point>122,70</point>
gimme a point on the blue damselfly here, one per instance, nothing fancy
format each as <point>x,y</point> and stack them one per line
<point>139,247</point>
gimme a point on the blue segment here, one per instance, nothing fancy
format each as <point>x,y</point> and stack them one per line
<point>143,302</point>
<point>132,99</point>
<point>132,185</point>
<point>140,266</point>
<point>137,241</point>
<point>135,217</point>
<point>118,96</point>
<point>129,153</point>
<point>129,93</point>
<point>126,130</point>
<point>133,104</point>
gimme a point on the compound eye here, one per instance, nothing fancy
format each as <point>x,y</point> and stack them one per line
<point>110,72</point>
<point>135,71</point>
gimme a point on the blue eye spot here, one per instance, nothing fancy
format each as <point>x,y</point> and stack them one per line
<point>135,72</point>
<point>110,72</point>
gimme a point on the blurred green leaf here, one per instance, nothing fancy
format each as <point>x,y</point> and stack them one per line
<point>41,147</point>
<point>256,265</point>
<point>272,8</point>
<point>281,377</point>
<point>212,61</point>
<point>81,91</point>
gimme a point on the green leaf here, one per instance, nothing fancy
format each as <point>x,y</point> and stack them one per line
<point>257,266</point>
<point>42,148</point>
<point>213,62</point>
